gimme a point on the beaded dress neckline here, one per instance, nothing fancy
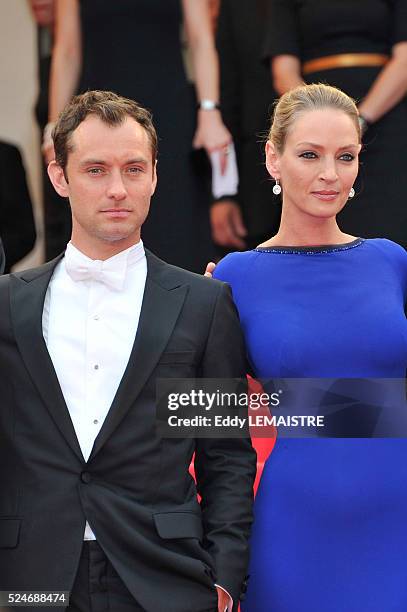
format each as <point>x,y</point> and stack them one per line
<point>311,250</point>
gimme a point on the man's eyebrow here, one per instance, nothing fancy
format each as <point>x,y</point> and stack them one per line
<point>93,161</point>
<point>102,162</point>
<point>137,160</point>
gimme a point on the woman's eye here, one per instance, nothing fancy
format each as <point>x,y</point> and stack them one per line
<point>348,157</point>
<point>308,155</point>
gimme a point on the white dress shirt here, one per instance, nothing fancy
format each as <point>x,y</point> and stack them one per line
<point>89,328</point>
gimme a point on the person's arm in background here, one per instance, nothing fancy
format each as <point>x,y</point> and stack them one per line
<point>226,219</point>
<point>211,133</point>
<point>389,88</point>
<point>66,64</point>
<point>282,45</point>
<point>286,73</point>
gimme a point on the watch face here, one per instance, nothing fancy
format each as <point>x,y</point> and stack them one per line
<point>208,105</point>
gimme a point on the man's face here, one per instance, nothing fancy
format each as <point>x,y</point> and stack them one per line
<point>111,178</point>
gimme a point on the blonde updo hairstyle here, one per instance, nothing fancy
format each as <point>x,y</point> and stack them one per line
<point>306,98</point>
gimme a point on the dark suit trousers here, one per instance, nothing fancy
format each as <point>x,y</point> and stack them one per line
<point>98,587</point>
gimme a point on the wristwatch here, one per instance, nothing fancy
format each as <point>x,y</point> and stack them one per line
<point>208,105</point>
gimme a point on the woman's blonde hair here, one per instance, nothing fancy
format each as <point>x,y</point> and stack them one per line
<point>307,98</point>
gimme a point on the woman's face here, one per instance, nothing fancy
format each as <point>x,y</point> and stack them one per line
<point>319,163</point>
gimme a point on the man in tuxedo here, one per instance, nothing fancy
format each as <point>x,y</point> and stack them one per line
<point>92,500</point>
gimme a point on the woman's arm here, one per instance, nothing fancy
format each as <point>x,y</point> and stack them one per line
<point>211,132</point>
<point>282,45</point>
<point>389,87</point>
<point>286,73</point>
<point>66,60</point>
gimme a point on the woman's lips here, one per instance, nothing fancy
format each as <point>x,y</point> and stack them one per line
<point>326,196</point>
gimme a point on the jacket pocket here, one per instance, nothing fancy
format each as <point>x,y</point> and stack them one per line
<point>174,525</point>
<point>9,532</point>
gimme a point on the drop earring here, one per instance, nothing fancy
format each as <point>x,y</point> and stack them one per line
<point>351,193</point>
<point>277,188</point>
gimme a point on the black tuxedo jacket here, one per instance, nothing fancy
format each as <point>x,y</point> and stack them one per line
<point>135,490</point>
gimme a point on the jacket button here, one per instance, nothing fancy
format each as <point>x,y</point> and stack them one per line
<point>86,477</point>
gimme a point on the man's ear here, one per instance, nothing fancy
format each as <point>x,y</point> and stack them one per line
<point>57,178</point>
<point>154,185</point>
<point>272,160</point>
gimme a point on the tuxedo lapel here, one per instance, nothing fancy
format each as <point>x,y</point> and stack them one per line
<point>162,303</point>
<point>28,291</point>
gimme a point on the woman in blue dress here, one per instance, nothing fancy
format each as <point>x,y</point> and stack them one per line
<point>330,531</point>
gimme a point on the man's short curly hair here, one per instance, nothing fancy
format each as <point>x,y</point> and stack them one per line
<point>111,108</point>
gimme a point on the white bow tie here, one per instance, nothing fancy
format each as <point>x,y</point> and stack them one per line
<point>110,272</point>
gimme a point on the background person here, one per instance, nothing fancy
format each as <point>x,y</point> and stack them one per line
<point>57,216</point>
<point>316,302</point>
<point>246,218</point>
<point>16,211</point>
<point>360,47</point>
<point>135,50</point>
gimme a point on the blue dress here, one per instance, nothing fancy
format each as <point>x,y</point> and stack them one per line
<point>330,531</point>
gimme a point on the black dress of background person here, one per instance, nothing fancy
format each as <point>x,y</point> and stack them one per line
<point>310,29</point>
<point>246,100</point>
<point>134,49</point>
<point>17,227</point>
